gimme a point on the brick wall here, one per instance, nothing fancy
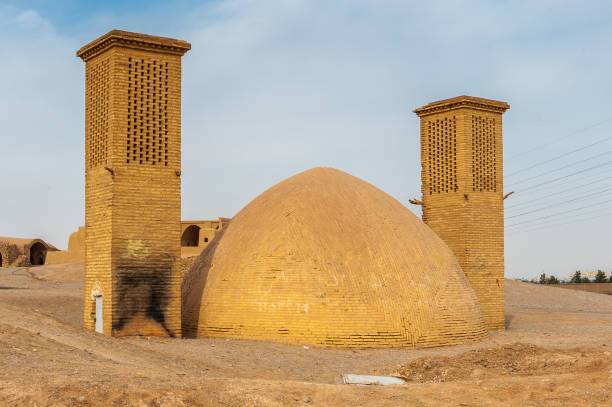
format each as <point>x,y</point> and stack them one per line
<point>324,258</point>
<point>133,86</point>
<point>462,187</point>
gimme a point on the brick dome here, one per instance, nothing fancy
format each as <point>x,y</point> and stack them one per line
<point>324,258</point>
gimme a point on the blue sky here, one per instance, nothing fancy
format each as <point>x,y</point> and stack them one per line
<point>271,88</point>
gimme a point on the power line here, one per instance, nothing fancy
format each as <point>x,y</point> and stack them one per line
<point>572,182</point>
<point>551,225</point>
<point>529,203</point>
<point>555,141</point>
<point>562,168</point>
<point>574,188</point>
<point>534,222</point>
<point>565,176</point>
<point>597,211</point>
<point>559,213</point>
<point>555,225</point>
<point>558,157</point>
<point>559,204</point>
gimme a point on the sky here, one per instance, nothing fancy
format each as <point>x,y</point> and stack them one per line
<point>272,88</point>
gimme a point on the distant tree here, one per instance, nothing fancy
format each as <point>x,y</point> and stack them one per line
<point>610,279</point>
<point>576,278</point>
<point>600,277</point>
<point>543,278</point>
<point>552,280</point>
<point>585,279</point>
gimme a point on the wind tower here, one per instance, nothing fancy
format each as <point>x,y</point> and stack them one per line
<point>132,183</point>
<point>462,187</point>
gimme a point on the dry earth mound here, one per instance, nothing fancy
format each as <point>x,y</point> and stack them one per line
<point>548,356</point>
<point>508,360</point>
<point>549,297</point>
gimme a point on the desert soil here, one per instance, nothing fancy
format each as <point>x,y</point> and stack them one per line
<point>556,351</point>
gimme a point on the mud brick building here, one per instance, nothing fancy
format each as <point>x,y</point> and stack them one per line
<point>462,187</point>
<point>132,178</point>
<point>327,259</point>
<point>197,234</point>
<point>18,252</point>
<point>321,258</point>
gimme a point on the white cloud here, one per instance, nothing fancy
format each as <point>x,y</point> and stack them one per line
<point>274,87</point>
<point>41,115</point>
<point>31,20</point>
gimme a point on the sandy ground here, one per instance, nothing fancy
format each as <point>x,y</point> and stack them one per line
<point>556,351</point>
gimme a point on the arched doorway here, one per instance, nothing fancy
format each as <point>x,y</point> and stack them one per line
<point>0,259</point>
<point>38,254</point>
<point>191,236</point>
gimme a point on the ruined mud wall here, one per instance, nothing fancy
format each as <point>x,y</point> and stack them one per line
<point>75,252</point>
<point>12,254</point>
<point>16,252</point>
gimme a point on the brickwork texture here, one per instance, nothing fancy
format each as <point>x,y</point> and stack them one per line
<point>462,187</point>
<point>324,258</point>
<point>132,182</point>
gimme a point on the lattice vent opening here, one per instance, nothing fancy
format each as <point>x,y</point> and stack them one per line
<point>147,121</point>
<point>484,157</point>
<point>98,94</point>
<point>442,155</point>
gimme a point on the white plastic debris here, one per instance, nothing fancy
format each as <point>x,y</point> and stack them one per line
<point>368,380</point>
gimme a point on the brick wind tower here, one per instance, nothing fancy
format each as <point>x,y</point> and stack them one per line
<point>462,187</point>
<point>132,184</point>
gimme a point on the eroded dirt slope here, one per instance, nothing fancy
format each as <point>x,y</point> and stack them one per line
<point>556,351</point>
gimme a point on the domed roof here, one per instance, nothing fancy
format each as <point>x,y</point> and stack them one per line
<point>324,258</point>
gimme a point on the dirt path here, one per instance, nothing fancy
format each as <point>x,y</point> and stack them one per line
<point>556,351</point>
